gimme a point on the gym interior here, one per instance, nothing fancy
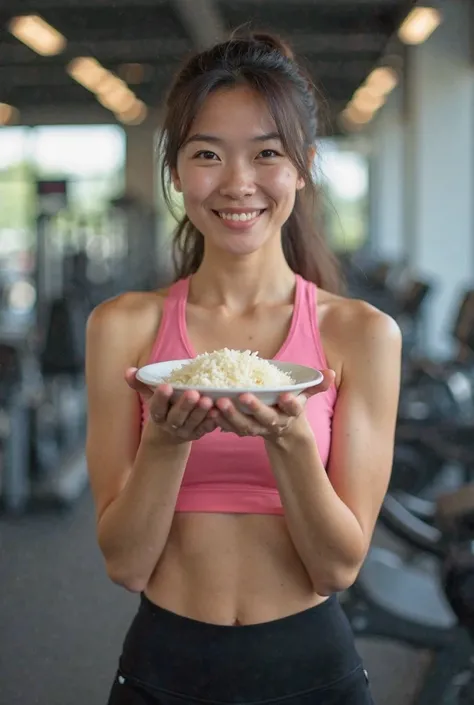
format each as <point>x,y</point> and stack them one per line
<point>82,219</point>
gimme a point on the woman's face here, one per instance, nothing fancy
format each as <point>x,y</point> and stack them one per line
<point>238,185</point>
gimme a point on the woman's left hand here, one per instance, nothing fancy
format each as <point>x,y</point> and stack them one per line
<point>270,422</point>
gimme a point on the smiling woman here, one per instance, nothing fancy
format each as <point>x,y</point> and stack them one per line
<point>228,512</point>
<point>284,109</point>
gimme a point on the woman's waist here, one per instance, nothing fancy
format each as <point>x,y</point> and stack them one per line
<point>226,604</point>
<point>231,568</point>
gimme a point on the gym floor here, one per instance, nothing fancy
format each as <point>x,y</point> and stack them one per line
<point>62,621</point>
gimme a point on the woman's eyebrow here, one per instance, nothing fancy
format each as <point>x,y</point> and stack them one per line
<point>200,137</point>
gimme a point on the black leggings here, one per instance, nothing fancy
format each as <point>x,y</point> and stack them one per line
<point>306,659</point>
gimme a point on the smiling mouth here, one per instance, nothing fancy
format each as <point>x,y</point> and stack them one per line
<point>239,217</point>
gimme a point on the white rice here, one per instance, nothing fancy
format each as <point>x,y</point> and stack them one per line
<point>227,369</point>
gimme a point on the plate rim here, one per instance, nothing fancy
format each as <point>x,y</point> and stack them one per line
<point>236,390</point>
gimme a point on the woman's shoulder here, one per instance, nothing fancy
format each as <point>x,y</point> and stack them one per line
<point>124,307</point>
<point>353,328</point>
<point>345,315</point>
<point>127,321</point>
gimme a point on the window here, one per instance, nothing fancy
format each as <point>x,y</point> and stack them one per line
<point>91,158</point>
<point>344,176</point>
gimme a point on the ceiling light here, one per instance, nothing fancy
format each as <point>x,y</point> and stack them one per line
<point>419,25</point>
<point>381,81</point>
<point>118,100</point>
<point>134,115</point>
<point>111,84</point>
<point>88,72</point>
<point>37,34</point>
<point>8,114</point>
<point>366,100</point>
<point>357,115</point>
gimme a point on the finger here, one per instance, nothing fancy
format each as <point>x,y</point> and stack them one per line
<point>329,377</point>
<point>220,421</point>
<point>239,421</point>
<point>197,416</point>
<point>292,405</point>
<point>264,415</point>
<point>224,425</point>
<point>179,412</point>
<point>160,402</point>
<point>143,389</point>
<point>208,425</point>
<point>247,427</point>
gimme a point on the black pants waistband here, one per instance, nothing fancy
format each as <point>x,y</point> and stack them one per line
<point>253,663</point>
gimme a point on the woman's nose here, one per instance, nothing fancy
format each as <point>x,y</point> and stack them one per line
<point>238,181</point>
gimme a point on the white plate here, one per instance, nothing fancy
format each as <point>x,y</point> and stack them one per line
<point>305,377</point>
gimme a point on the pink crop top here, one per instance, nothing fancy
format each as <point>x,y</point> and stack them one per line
<point>226,473</point>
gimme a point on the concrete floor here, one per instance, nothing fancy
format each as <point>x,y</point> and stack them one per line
<point>62,622</point>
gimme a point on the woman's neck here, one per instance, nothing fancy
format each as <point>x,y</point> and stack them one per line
<point>239,283</point>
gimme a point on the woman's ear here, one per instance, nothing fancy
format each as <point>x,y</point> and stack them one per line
<point>301,183</point>
<point>176,180</point>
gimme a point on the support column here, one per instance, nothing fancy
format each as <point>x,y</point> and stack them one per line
<point>142,179</point>
<point>140,176</point>
<point>386,183</point>
<point>439,180</point>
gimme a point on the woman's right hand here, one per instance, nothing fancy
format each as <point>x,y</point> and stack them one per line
<point>184,421</point>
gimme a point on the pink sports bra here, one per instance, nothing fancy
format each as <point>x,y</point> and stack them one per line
<point>226,473</point>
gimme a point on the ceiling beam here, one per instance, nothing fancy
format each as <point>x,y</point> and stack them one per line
<point>153,49</point>
<point>327,3</point>
<point>55,75</point>
<point>202,21</point>
<point>22,76</point>
<point>26,6</point>
<point>342,83</point>
<point>108,50</point>
<point>325,43</point>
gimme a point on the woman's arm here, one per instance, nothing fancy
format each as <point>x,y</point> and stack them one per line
<point>134,528</point>
<point>135,480</point>
<point>331,515</point>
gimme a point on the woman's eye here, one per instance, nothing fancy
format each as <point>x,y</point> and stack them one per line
<point>206,154</point>
<point>268,153</point>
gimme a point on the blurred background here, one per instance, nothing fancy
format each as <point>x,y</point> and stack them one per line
<point>82,218</point>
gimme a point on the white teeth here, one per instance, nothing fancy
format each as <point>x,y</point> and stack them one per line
<point>238,216</point>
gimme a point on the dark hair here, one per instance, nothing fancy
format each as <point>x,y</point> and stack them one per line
<point>266,64</point>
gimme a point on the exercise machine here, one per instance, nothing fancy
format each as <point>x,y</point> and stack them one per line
<point>418,601</point>
<point>81,260</point>
<point>402,601</point>
<point>436,404</point>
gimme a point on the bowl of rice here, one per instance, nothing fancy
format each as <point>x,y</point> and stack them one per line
<point>230,373</point>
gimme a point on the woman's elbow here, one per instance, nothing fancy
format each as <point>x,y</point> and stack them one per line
<point>132,583</point>
<point>337,579</point>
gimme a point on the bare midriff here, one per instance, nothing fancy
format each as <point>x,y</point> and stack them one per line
<point>231,569</point>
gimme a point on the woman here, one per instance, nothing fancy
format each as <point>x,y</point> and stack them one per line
<point>239,530</point>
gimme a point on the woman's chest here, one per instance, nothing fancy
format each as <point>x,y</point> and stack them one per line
<point>264,331</point>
